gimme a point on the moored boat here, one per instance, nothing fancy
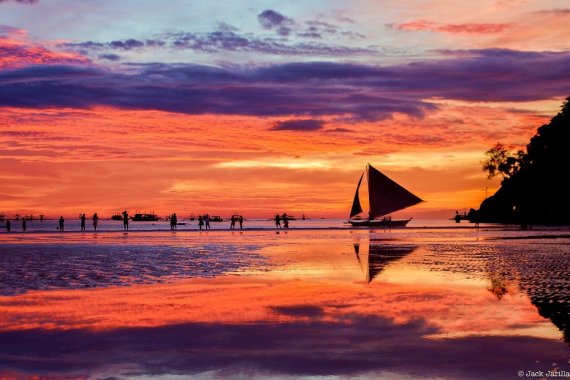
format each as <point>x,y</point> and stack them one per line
<point>145,217</point>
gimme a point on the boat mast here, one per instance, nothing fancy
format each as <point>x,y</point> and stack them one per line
<point>369,191</point>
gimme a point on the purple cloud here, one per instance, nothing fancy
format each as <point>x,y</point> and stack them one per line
<point>226,38</point>
<point>312,89</point>
<point>298,125</point>
<point>119,44</point>
<point>127,44</point>
<point>110,57</point>
<point>6,31</point>
<point>270,19</point>
<point>21,1</point>
<point>555,11</point>
<point>312,29</point>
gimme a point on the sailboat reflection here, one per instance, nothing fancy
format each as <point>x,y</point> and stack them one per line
<point>379,255</point>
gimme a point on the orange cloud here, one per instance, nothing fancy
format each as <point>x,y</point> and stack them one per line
<point>17,51</point>
<point>468,28</point>
<point>107,159</point>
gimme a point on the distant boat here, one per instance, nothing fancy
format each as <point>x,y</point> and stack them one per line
<point>385,196</point>
<point>459,217</point>
<point>216,218</point>
<point>117,217</point>
<point>145,218</point>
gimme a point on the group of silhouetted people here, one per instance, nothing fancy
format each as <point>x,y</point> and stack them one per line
<point>204,221</point>
<point>83,219</point>
<point>9,225</point>
<point>283,218</point>
<point>234,219</point>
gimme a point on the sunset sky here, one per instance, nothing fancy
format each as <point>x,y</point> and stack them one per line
<point>260,107</point>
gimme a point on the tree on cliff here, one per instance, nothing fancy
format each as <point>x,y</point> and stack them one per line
<point>501,161</point>
<point>534,187</point>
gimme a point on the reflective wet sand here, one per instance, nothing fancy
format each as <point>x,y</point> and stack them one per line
<point>439,303</point>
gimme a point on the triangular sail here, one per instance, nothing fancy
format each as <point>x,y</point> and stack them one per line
<point>385,195</point>
<point>356,207</point>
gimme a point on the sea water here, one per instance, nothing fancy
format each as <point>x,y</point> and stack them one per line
<point>433,300</point>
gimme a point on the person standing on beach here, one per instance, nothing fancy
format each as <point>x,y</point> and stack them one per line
<point>285,223</point>
<point>200,221</point>
<point>207,221</point>
<point>95,219</point>
<point>241,222</point>
<point>82,216</point>
<point>24,224</point>
<point>125,220</point>
<point>8,226</point>
<point>277,221</point>
<point>173,221</point>
<point>61,222</point>
<point>233,222</point>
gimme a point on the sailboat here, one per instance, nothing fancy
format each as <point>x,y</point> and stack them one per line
<point>385,196</point>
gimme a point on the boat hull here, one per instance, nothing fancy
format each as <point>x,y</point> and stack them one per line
<point>379,222</point>
<point>145,218</point>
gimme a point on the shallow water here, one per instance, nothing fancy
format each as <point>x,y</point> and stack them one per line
<point>107,225</point>
<point>404,303</point>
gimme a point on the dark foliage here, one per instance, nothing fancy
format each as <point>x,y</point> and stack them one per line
<point>537,191</point>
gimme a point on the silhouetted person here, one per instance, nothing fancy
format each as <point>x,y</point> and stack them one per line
<point>277,221</point>
<point>125,221</point>
<point>200,221</point>
<point>207,221</point>
<point>95,220</point>
<point>233,222</point>
<point>82,217</point>
<point>61,222</point>
<point>285,223</point>
<point>241,222</point>
<point>24,224</point>
<point>8,226</point>
<point>173,221</point>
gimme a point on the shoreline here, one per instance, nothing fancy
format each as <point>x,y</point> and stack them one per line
<point>261,229</point>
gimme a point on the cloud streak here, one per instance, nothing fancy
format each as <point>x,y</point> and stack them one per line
<point>298,125</point>
<point>290,38</point>
<point>20,1</point>
<point>466,28</point>
<point>17,53</point>
<point>225,39</point>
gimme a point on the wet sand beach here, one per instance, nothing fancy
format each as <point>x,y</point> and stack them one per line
<point>450,303</point>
